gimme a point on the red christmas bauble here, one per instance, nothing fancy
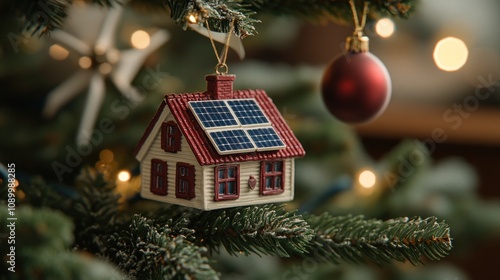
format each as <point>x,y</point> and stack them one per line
<point>356,87</point>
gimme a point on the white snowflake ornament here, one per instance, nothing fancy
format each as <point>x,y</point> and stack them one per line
<point>99,60</point>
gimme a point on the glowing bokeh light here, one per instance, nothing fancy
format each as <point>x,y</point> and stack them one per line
<point>450,54</point>
<point>57,52</point>
<point>192,18</point>
<point>85,62</point>
<point>385,27</point>
<point>367,179</point>
<point>140,39</point>
<point>124,176</point>
<point>105,68</point>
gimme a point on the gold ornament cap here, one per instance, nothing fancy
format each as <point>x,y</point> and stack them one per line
<point>357,43</point>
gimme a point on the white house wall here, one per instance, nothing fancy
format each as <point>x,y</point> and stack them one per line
<point>185,155</point>
<point>247,195</point>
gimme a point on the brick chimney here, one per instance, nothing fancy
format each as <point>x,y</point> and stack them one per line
<point>220,86</point>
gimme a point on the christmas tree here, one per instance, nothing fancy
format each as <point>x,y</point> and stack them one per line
<point>72,208</point>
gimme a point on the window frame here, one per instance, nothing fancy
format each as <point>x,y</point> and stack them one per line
<point>153,186</point>
<point>170,132</point>
<point>188,179</point>
<point>274,174</point>
<point>226,180</point>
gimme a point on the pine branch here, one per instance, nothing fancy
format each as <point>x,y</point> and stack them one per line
<point>93,205</point>
<point>267,229</point>
<point>42,241</point>
<point>321,10</point>
<point>147,250</point>
<point>94,211</point>
<point>219,14</point>
<point>43,16</point>
<point>355,240</point>
<point>39,17</point>
<point>39,194</point>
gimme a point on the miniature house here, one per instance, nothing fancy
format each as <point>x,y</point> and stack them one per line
<point>217,149</point>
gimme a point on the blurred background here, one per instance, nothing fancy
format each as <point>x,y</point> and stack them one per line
<point>444,62</point>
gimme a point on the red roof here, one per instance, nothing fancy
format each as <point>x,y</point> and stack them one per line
<point>201,146</point>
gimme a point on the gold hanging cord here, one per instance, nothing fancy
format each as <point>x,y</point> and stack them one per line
<point>221,67</point>
<point>357,42</point>
<point>359,26</point>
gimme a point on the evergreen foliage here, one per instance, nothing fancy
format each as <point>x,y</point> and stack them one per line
<point>174,243</point>
<point>42,249</point>
<point>41,17</point>
<point>267,229</point>
<point>38,17</point>
<point>355,240</point>
<point>94,210</point>
<point>148,250</point>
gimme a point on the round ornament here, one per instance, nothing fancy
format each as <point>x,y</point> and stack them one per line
<point>356,87</point>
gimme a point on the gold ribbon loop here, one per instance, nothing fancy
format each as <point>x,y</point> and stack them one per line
<point>221,67</point>
<point>358,30</point>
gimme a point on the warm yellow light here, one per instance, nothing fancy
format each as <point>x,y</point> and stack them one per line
<point>385,27</point>
<point>106,156</point>
<point>105,68</point>
<point>58,53</point>
<point>124,176</point>
<point>192,18</point>
<point>85,62</point>
<point>367,179</point>
<point>450,54</point>
<point>140,39</point>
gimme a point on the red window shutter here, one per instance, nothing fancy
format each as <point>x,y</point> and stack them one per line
<point>185,181</point>
<point>158,180</point>
<point>163,141</point>
<point>191,177</point>
<point>170,137</point>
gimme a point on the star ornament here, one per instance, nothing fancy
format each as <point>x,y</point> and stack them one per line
<point>99,61</point>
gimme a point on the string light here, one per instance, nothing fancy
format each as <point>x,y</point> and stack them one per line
<point>192,18</point>
<point>107,166</point>
<point>367,179</point>
<point>124,176</point>
<point>385,27</point>
<point>106,156</point>
<point>85,62</point>
<point>140,39</point>
<point>450,54</point>
<point>57,52</point>
<point>105,68</point>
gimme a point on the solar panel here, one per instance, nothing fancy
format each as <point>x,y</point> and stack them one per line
<point>231,141</point>
<point>265,138</point>
<point>213,114</point>
<point>236,125</point>
<point>248,112</point>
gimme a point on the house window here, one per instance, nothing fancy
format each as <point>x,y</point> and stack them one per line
<point>271,177</point>
<point>227,182</point>
<point>158,177</point>
<point>184,186</point>
<point>170,137</point>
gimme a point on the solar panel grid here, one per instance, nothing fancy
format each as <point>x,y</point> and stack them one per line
<point>254,132</point>
<point>213,114</point>
<point>265,138</point>
<point>231,141</point>
<point>248,111</point>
